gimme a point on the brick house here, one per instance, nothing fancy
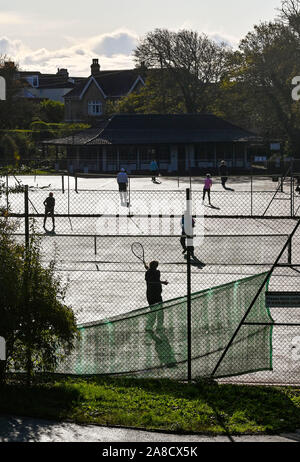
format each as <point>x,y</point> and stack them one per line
<point>87,100</point>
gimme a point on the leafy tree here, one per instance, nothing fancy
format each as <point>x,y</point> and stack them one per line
<point>192,60</point>
<point>158,96</point>
<point>14,112</point>
<point>9,151</point>
<point>41,131</point>
<point>37,325</point>
<point>52,111</point>
<point>289,14</point>
<point>267,63</point>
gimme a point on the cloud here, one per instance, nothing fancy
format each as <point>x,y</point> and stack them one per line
<point>119,43</point>
<point>11,18</point>
<point>229,40</point>
<point>218,36</point>
<point>13,49</point>
<point>114,51</point>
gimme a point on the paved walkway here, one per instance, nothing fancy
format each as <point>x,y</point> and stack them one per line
<point>18,429</point>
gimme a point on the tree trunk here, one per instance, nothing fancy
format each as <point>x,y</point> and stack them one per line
<point>29,367</point>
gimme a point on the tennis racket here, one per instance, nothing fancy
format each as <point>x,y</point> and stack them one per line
<point>138,251</point>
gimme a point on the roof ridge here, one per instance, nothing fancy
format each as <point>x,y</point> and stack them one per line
<point>99,133</point>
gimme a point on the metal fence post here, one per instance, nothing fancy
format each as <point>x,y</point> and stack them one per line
<point>251,194</point>
<point>282,172</point>
<point>63,184</point>
<point>290,252</point>
<point>189,307</point>
<point>129,195</point>
<point>68,194</point>
<point>7,201</point>
<point>189,315</point>
<point>292,193</point>
<point>26,208</point>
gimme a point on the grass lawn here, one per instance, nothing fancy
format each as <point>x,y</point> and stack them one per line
<point>158,405</point>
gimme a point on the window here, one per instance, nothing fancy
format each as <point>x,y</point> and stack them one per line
<point>240,151</point>
<point>224,151</point>
<point>147,154</point>
<point>163,154</point>
<point>90,153</point>
<point>94,108</point>
<point>111,155</point>
<point>128,154</point>
<point>33,80</point>
<point>204,152</point>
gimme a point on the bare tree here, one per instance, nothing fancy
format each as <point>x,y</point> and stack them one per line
<point>289,14</point>
<point>192,59</point>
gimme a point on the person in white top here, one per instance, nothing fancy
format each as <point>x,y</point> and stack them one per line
<point>122,180</point>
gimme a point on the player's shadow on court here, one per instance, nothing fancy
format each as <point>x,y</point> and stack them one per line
<point>50,233</point>
<point>212,207</point>
<point>229,189</point>
<point>163,348</point>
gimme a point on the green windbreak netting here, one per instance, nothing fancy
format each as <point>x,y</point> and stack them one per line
<point>152,342</point>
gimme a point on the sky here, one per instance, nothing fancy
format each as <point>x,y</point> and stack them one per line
<point>45,36</point>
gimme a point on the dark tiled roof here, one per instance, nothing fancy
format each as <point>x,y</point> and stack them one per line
<point>77,90</point>
<point>183,128</point>
<point>56,81</point>
<point>52,80</point>
<point>113,83</point>
<point>169,121</point>
<point>79,138</point>
<point>168,136</point>
<point>28,73</point>
<point>152,129</point>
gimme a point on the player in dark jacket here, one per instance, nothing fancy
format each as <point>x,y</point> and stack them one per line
<point>49,204</point>
<point>223,173</point>
<point>154,291</point>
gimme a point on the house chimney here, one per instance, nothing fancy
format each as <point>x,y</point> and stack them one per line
<point>63,73</point>
<point>9,64</point>
<point>95,67</point>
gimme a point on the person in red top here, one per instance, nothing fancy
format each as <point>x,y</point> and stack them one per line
<point>207,187</point>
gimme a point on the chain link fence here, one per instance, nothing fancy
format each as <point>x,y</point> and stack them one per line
<point>108,292</point>
<point>249,196</point>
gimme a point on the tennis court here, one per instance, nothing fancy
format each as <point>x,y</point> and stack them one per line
<point>93,253</point>
<point>245,196</point>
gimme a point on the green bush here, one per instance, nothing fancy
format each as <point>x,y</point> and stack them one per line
<point>9,148</point>
<point>52,111</point>
<point>37,325</point>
